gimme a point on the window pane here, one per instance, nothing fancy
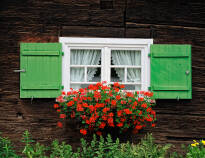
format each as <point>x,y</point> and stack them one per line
<point>133,75</point>
<point>93,74</point>
<point>77,74</point>
<point>117,74</point>
<point>132,87</point>
<point>126,57</point>
<point>85,57</point>
<point>77,86</point>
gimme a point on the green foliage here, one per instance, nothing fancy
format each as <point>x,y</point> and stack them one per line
<point>98,148</point>
<point>62,150</point>
<point>32,150</point>
<point>6,149</point>
<point>196,150</point>
<point>147,148</point>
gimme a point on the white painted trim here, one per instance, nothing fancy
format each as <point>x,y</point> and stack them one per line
<point>105,41</point>
<point>106,45</point>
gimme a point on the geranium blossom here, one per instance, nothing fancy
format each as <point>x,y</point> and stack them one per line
<point>105,106</point>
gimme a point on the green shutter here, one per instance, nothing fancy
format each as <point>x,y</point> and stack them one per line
<point>171,71</point>
<point>42,63</point>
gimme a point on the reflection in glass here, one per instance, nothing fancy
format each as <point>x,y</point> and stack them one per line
<point>93,74</point>
<point>117,74</point>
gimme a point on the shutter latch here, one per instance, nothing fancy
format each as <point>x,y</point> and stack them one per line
<point>23,70</point>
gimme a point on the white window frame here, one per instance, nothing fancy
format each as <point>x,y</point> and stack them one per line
<point>106,44</point>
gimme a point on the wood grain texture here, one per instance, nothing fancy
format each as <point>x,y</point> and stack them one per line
<point>180,22</point>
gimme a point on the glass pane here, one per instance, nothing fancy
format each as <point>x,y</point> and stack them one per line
<point>93,74</point>
<point>117,74</point>
<point>133,75</point>
<point>77,74</point>
<point>132,87</point>
<point>85,57</point>
<point>77,86</point>
<point>126,57</point>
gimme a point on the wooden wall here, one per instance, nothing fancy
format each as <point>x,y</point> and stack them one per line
<point>181,22</point>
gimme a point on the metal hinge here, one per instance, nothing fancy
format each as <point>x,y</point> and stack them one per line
<point>149,88</point>
<point>149,54</point>
<point>62,53</point>
<point>62,87</point>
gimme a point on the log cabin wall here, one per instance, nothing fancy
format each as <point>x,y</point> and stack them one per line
<point>180,22</point>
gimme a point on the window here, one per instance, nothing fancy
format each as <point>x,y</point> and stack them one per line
<point>91,60</point>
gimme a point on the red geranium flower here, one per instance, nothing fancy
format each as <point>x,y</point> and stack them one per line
<point>104,117</point>
<point>83,131</point>
<point>123,102</point>
<point>119,113</point>
<point>110,120</point>
<point>110,114</point>
<point>102,125</point>
<point>149,119</point>
<point>140,99</point>
<point>153,125</point>
<point>56,106</point>
<point>122,86</point>
<point>113,102</point>
<point>105,110</point>
<point>144,105</point>
<point>120,124</point>
<point>118,97</point>
<point>62,116</point>
<point>138,127</point>
<point>99,133</point>
<point>70,103</point>
<point>59,124</point>
<point>102,105</point>
<point>116,84</point>
<point>127,111</point>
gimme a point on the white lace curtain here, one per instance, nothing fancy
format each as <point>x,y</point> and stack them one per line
<point>127,57</point>
<point>83,57</point>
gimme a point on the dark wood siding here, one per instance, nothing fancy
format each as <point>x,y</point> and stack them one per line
<point>180,22</point>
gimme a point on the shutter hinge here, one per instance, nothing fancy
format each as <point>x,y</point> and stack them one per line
<point>149,54</point>
<point>62,87</point>
<point>62,53</point>
<point>149,88</point>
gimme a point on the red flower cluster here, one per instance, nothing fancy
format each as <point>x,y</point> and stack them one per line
<point>100,106</point>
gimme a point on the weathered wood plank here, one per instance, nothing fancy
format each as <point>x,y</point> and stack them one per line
<point>84,31</point>
<point>63,16</point>
<point>179,13</point>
